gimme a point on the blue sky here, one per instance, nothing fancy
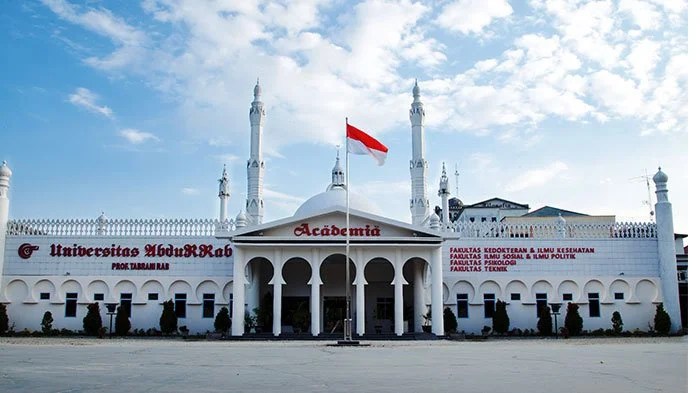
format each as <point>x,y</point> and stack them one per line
<point>133,109</point>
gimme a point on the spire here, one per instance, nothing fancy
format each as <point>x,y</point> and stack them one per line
<point>444,182</point>
<point>418,166</point>
<point>223,184</point>
<point>416,92</point>
<point>257,91</point>
<point>337,174</point>
<point>255,206</point>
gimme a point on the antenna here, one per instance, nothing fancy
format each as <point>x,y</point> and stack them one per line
<point>646,179</point>
<point>456,181</point>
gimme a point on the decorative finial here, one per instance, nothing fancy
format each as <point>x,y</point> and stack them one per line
<point>416,90</point>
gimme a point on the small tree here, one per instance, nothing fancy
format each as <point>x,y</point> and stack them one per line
<point>544,324</point>
<point>4,320</point>
<point>617,322</point>
<point>501,322</point>
<point>450,320</point>
<point>573,321</point>
<point>122,325</point>
<point>662,321</point>
<point>222,323</point>
<point>47,323</point>
<point>92,321</point>
<point>168,319</point>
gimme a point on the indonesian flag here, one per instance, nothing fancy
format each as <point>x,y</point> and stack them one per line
<point>360,142</point>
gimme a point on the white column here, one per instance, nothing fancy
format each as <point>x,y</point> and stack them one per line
<point>238,323</point>
<point>277,294</point>
<point>436,298</point>
<point>360,283</point>
<point>315,292</point>
<point>5,175</point>
<point>398,293</point>
<point>418,296</point>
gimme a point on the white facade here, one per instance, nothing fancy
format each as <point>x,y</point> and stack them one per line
<point>399,270</point>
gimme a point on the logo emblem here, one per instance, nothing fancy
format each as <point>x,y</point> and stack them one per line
<point>25,250</point>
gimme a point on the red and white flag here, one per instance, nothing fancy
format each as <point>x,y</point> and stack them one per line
<point>359,142</point>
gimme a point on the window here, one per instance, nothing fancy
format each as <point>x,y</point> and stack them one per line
<point>98,297</point>
<point>230,305</point>
<point>483,219</point>
<point>181,305</point>
<point>462,305</point>
<point>567,297</point>
<point>385,308</point>
<point>593,305</point>
<point>541,299</point>
<point>514,296</point>
<point>125,303</point>
<point>153,296</point>
<point>619,296</point>
<point>71,304</point>
<point>489,305</point>
<point>208,306</point>
<point>44,296</point>
<point>493,219</point>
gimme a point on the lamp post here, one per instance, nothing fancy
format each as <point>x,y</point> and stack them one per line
<point>111,310</point>
<point>555,312</point>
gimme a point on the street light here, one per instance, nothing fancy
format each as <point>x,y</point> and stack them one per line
<point>555,312</point>
<point>111,310</point>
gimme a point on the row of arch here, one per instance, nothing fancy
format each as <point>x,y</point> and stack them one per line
<point>634,290</point>
<point>25,291</point>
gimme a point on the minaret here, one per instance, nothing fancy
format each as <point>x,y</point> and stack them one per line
<point>223,196</point>
<point>444,194</point>
<point>5,175</point>
<point>420,206</point>
<point>337,174</point>
<point>665,241</point>
<point>256,165</point>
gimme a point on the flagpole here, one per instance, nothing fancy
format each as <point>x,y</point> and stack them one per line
<point>348,325</point>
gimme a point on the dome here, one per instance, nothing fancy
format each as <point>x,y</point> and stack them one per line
<point>5,170</point>
<point>335,197</point>
<point>660,177</point>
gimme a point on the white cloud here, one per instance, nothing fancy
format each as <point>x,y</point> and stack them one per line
<point>537,177</point>
<point>643,14</point>
<point>190,191</point>
<point>85,98</point>
<point>226,158</point>
<point>137,137</point>
<point>472,16</point>
<point>616,93</point>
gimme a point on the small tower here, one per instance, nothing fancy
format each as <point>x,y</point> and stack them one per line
<point>561,227</point>
<point>337,174</point>
<point>668,269</point>
<point>102,224</point>
<point>444,194</point>
<point>420,206</point>
<point>241,220</point>
<point>256,165</point>
<point>223,197</point>
<point>5,175</point>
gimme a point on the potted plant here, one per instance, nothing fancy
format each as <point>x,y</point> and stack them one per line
<point>249,321</point>
<point>427,322</point>
<point>301,318</point>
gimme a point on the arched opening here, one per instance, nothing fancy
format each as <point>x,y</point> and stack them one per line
<point>259,272</point>
<point>415,295</point>
<point>379,296</point>
<point>296,295</point>
<point>333,292</point>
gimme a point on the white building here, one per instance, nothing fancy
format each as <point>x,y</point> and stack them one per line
<point>295,266</point>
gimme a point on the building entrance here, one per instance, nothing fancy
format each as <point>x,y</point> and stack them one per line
<point>333,314</point>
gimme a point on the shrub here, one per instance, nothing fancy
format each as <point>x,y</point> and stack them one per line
<point>47,323</point>
<point>544,324</point>
<point>501,322</point>
<point>92,321</point>
<point>450,320</point>
<point>662,321</point>
<point>222,323</point>
<point>168,319</point>
<point>4,320</point>
<point>573,321</point>
<point>617,323</point>
<point>122,325</point>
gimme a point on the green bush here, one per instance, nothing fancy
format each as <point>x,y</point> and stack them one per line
<point>617,323</point>
<point>544,324</point>
<point>501,322</point>
<point>168,319</point>
<point>662,321</point>
<point>47,324</point>
<point>573,321</point>
<point>122,325</point>
<point>222,323</point>
<point>92,321</point>
<point>450,320</point>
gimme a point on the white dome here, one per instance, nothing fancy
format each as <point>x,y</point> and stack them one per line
<point>335,197</point>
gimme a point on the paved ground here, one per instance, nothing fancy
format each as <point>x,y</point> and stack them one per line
<point>522,366</point>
